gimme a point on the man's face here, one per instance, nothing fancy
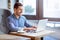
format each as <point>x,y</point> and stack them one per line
<point>18,11</point>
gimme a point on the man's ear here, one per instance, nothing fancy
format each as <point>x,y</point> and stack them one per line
<point>14,10</point>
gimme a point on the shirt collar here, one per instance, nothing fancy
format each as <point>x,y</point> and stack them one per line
<point>15,16</point>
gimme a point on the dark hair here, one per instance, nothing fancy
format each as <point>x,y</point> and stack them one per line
<point>17,4</point>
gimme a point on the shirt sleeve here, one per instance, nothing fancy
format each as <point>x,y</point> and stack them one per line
<point>11,25</point>
<point>27,24</point>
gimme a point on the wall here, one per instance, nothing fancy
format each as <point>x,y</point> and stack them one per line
<point>4,4</point>
<point>12,5</point>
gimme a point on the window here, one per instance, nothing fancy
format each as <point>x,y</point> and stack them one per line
<point>51,8</point>
<point>29,7</point>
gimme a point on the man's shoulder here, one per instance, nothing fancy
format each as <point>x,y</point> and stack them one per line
<point>23,17</point>
<point>10,16</point>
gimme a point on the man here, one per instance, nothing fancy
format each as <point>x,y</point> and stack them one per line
<point>16,21</point>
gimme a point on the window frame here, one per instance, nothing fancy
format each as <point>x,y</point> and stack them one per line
<point>41,12</point>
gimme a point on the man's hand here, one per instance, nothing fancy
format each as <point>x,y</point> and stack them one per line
<point>32,28</point>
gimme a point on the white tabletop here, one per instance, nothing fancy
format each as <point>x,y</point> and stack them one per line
<point>12,37</point>
<point>38,34</point>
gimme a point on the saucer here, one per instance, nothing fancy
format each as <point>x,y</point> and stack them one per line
<point>21,31</point>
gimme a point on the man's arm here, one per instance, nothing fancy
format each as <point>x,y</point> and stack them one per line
<point>11,26</point>
<point>29,26</point>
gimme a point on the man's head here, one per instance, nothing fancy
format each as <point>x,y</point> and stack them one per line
<point>18,7</point>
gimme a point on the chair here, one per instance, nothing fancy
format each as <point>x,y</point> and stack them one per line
<point>4,13</point>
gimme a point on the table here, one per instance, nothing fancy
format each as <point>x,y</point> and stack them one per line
<point>34,36</point>
<point>12,37</point>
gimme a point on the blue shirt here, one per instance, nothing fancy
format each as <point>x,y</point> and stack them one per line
<point>13,23</point>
